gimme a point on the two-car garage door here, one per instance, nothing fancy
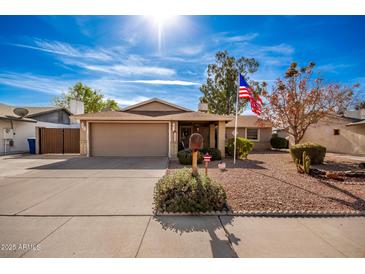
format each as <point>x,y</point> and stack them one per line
<point>129,139</point>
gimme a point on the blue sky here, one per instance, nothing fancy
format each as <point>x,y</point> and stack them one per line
<point>133,58</point>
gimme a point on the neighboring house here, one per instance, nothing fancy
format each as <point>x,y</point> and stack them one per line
<point>15,130</point>
<point>150,128</point>
<point>339,134</point>
<point>282,133</point>
<point>252,128</point>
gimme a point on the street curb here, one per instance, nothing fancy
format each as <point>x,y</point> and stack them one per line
<point>278,213</point>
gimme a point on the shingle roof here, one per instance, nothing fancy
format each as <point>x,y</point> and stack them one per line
<point>126,116</point>
<point>249,121</point>
<point>155,100</point>
<point>33,111</point>
<point>6,112</point>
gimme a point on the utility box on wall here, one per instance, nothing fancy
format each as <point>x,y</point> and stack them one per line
<point>8,133</point>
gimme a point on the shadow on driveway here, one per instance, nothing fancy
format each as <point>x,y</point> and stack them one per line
<point>90,163</point>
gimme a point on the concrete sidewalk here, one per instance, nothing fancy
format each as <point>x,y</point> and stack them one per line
<point>204,237</point>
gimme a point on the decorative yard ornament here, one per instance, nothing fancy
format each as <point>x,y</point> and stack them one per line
<point>222,166</point>
<point>206,158</point>
<point>195,143</point>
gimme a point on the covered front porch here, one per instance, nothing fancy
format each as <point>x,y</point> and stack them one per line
<point>213,133</point>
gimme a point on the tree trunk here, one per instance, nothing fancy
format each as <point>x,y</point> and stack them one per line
<point>296,139</point>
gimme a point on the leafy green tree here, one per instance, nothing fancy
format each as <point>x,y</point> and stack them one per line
<point>93,99</point>
<point>220,89</point>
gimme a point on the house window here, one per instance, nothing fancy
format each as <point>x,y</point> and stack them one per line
<point>336,131</point>
<point>253,134</point>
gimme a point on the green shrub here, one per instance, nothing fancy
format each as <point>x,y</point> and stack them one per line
<point>180,191</point>
<point>214,152</point>
<point>279,142</point>
<point>243,148</point>
<point>315,152</point>
<point>186,157</point>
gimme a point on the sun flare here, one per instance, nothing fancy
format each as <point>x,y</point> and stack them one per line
<point>161,22</point>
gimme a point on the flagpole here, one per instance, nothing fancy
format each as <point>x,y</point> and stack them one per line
<point>235,123</point>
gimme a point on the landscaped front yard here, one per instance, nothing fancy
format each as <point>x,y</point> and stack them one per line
<point>270,181</point>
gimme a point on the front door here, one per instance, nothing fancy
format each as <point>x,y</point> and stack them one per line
<point>185,132</point>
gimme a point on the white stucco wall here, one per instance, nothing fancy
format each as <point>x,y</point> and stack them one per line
<point>23,131</point>
<point>351,139</point>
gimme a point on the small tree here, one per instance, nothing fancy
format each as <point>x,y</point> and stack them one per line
<point>300,100</point>
<point>220,88</point>
<point>93,99</point>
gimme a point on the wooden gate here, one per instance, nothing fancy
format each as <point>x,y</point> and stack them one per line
<point>59,140</point>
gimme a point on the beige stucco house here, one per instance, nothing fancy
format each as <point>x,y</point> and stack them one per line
<point>338,134</point>
<point>150,128</point>
<point>252,128</point>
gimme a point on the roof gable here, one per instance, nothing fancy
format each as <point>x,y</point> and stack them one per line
<point>155,105</point>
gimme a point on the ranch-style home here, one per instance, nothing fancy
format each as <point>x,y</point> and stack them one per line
<point>157,128</point>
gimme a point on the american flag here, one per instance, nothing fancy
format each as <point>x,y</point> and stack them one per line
<point>246,92</point>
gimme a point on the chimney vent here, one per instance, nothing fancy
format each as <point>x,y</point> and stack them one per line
<point>203,107</point>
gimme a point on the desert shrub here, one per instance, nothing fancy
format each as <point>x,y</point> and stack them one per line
<point>180,191</point>
<point>186,157</point>
<point>243,148</point>
<point>279,142</point>
<point>214,152</point>
<point>315,152</point>
<point>305,167</point>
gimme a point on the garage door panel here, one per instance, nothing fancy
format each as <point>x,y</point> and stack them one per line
<point>108,139</point>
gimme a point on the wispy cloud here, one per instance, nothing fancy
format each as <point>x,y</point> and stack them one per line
<point>44,84</point>
<point>131,101</point>
<point>65,49</point>
<point>162,82</point>
<point>284,49</point>
<point>333,68</point>
<point>130,70</point>
<point>190,50</point>
<point>225,37</point>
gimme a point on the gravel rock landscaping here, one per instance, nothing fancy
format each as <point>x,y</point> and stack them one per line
<point>269,181</point>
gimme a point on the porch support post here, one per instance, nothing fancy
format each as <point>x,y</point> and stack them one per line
<point>174,141</point>
<point>222,137</point>
<point>212,135</point>
<point>83,138</point>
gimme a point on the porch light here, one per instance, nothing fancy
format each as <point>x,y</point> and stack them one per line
<point>83,127</point>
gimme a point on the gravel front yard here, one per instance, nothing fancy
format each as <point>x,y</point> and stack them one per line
<point>269,181</point>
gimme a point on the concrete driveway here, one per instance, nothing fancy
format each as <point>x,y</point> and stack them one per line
<point>68,206</point>
<point>69,185</point>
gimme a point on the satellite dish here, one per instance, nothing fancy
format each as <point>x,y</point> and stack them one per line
<point>21,111</point>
